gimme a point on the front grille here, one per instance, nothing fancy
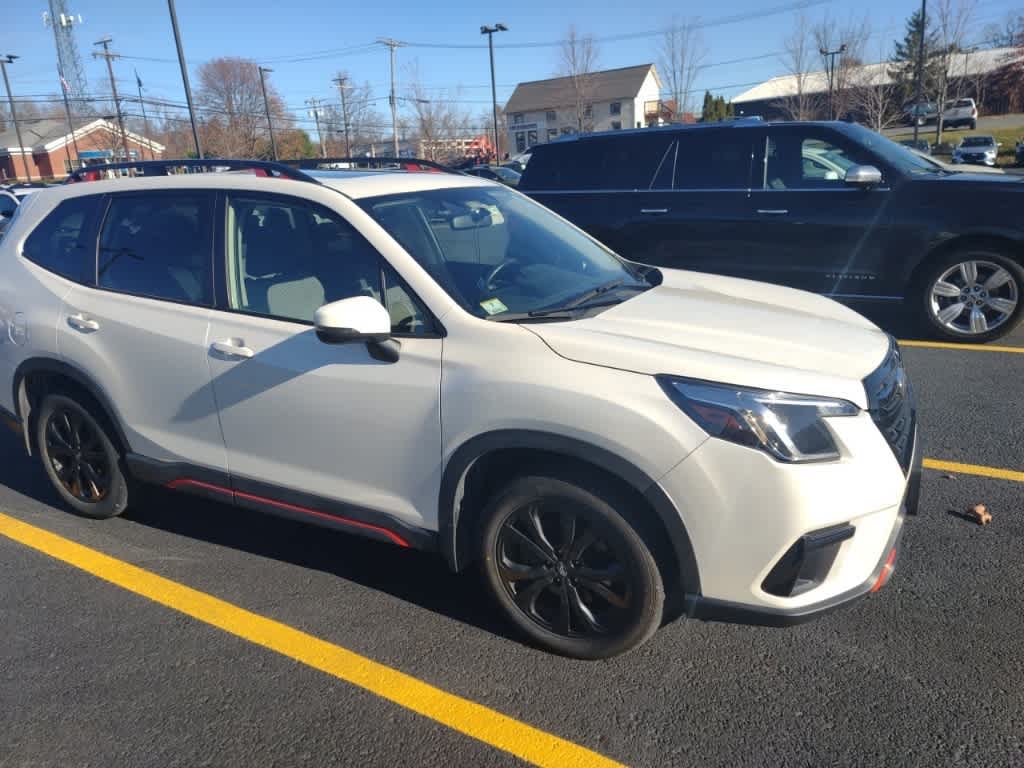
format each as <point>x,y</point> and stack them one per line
<point>891,405</point>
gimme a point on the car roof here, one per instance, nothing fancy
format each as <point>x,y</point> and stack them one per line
<point>355,184</point>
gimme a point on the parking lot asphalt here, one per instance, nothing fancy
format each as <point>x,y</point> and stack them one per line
<point>927,672</point>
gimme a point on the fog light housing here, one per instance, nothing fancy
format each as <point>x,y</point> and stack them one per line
<point>806,564</point>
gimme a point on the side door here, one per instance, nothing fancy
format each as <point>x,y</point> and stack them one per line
<point>815,231</point>
<point>693,215</point>
<point>314,429</point>
<point>138,326</point>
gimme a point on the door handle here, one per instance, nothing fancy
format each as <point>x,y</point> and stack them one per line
<point>230,348</point>
<point>772,211</point>
<point>653,211</point>
<point>81,323</point>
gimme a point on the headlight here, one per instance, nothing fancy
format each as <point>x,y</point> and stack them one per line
<point>787,427</point>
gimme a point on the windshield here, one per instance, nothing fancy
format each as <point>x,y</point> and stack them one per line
<point>977,141</point>
<point>498,253</point>
<point>900,157</point>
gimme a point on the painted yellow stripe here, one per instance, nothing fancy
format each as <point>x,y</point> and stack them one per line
<point>961,347</point>
<point>474,720</point>
<point>974,469</point>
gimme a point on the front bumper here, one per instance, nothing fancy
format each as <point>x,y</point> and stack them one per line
<point>732,586</point>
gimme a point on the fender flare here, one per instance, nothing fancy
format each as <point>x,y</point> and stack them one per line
<point>50,365</point>
<point>466,455</point>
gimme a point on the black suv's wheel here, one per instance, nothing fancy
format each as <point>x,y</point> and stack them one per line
<point>568,570</point>
<point>80,458</point>
<point>972,294</point>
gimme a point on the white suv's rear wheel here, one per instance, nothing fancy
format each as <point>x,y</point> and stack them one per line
<point>80,458</point>
<point>568,570</point>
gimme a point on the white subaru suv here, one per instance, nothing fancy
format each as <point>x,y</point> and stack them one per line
<point>436,361</point>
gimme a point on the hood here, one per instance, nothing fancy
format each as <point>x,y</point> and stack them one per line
<point>729,330</point>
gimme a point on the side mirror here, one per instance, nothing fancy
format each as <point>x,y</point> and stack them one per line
<point>863,176</point>
<point>357,319</point>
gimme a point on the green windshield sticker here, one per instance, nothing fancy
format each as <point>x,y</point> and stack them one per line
<point>493,306</point>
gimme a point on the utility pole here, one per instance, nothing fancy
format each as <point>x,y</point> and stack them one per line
<point>920,68</point>
<point>315,112</point>
<point>145,120</point>
<point>830,69</point>
<point>266,106</point>
<point>184,77</point>
<point>71,124</point>
<point>393,45</point>
<point>105,42</point>
<point>4,61</point>
<point>489,31</point>
<point>342,82</point>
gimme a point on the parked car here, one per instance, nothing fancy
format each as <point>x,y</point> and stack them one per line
<point>739,199</point>
<point>960,112</point>
<point>921,114</point>
<point>518,163</point>
<point>978,150</point>
<point>438,362</point>
<point>1019,151</point>
<point>950,168</point>
<point>920,145</point>
<point>495,173</point>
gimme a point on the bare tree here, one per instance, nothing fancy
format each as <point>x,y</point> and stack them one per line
<point>235,123</point>
<point>578,58</point>
<point>438,121</point>
<point>682,53</point>
<point>798,57</point>
<point>873,97</point>
<point>953,17</point>
<point>831,34</point>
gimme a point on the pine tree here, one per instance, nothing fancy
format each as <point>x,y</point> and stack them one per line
<point>705,113</point>
<point>903,62</point>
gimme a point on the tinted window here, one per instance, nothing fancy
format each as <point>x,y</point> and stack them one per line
<point>287,259</point>
<point>621,162</point>
<point>158,245</point>
<point>8,204</point>
<point>714,159</point>
<point>64,242</point>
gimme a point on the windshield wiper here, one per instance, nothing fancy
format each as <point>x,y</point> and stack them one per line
<point>586,298</point>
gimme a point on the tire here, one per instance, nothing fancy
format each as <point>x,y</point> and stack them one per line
<point>996,294</point>
<point>579,535</point>
<point>974,125</point>
<point>80,458</point>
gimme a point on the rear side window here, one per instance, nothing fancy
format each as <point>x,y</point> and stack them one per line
<point>64,242</point>
<point>159,245</point>
<point>714,159</point>
<point>638,161</point>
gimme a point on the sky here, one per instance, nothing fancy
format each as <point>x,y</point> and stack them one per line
<point>307,42</point>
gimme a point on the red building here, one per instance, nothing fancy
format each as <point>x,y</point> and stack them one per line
<point>50,151</point>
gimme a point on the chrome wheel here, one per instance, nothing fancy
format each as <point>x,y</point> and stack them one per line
<point>563,572</point>
<point>974,297</point>
<point>77,456</point>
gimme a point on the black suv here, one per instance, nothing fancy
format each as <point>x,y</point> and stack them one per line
<point>828,207</point>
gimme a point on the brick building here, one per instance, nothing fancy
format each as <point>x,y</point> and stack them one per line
<point>50,151</point>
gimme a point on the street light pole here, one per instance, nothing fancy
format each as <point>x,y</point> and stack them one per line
<point>489,31</point>
<point>184,77</point>
<point>920,67</point>
<point>266,106</point>
<point>4,61</point>
<point>830,69</point>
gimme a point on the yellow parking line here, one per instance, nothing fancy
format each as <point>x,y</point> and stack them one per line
<point>974,469</point>
<point>963,347</point>
<point>474,720</point>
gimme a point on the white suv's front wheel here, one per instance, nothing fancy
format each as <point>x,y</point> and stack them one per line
<point>568,570</point>
<point>80,458</point>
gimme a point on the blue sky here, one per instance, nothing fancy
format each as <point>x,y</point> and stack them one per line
<point>330,37</point>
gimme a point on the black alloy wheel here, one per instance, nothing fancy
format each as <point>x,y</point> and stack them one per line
<point>79,457</point>
<point>567,568</point>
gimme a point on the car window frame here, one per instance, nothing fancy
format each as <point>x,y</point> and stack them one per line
<point>107,204</point>
<point>222,303</point>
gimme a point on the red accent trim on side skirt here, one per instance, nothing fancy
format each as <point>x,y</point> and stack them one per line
<point>392,536</point>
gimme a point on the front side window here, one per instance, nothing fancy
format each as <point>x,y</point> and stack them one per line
<point>498,253</point>
<point>808,161</point>
<point>286,259</point>
<point>159,245</point>
<point>65,241</point>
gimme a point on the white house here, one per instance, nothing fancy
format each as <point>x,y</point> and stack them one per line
<point>542,110</point>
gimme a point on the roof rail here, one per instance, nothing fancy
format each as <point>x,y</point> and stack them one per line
<point>173,167</point>
<point>412,164</point>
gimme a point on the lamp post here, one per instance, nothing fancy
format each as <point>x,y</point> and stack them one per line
<point>489,31</point>
<point>830,69</point>
<point>4,61</point>
<point>184,77</point>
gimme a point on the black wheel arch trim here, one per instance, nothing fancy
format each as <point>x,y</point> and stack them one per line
<point>48,365</point>
<point>464,457</point>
